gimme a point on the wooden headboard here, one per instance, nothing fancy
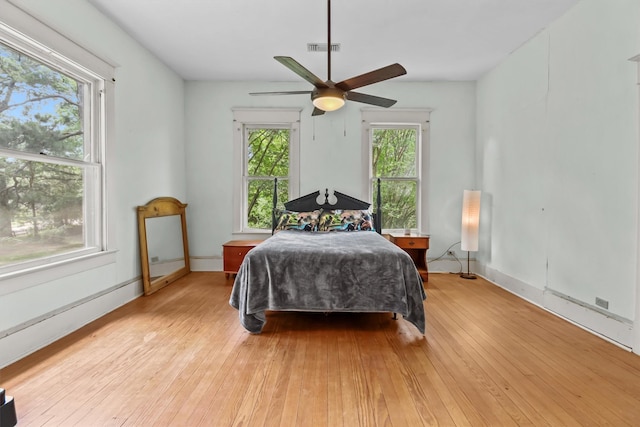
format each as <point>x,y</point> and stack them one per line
<point>310,203</point>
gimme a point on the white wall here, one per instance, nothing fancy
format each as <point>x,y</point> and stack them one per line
<point>550,132</point>
<point>558,163</point>
<point>147,161</point>
<point>150,159</point>
<point>330,149</point>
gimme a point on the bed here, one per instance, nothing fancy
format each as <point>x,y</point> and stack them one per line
<point>327,258</point>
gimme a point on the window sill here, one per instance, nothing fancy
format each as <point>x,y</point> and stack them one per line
<point>19,280</point>
<point>251,235</point>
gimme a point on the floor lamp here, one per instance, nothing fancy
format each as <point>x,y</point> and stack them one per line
<point>8,416</point>
<point>470,226</point>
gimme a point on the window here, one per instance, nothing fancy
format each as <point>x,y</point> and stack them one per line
<point>266,144</point>
<point>394,159</point>
<point>51,144</point>
<point>267,157</point>
<point>396,147</point>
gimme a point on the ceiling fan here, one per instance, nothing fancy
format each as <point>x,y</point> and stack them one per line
<point>330,96</point>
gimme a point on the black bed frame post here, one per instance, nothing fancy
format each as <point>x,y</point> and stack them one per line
<point>275,204</point>
<point>378,220</point>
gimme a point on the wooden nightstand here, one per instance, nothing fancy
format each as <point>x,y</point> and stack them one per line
<point>416,247</point>
<point>233,253</point>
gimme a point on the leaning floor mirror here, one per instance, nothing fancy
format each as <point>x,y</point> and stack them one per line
<point>164,247</point>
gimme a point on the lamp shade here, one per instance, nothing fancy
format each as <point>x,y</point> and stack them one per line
<point>327,99</point>
<point>328,103</point>
<point>470,220</point>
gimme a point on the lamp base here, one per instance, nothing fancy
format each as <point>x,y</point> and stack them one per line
<point>468,274</point>
<point>8,416</point>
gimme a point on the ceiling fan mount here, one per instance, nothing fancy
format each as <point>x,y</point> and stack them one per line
<point>330,96</point>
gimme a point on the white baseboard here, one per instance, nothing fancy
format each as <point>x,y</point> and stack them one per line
<point>206,263</point>
<point>611,327</point>
<point>607,326</point>
<point>449,266</point>
<point>513,285</point>
<point>38,333</point>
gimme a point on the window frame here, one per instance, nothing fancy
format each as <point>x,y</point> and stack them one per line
<point>273,118</point>
<point>22,32</point>
<point>399,118</point>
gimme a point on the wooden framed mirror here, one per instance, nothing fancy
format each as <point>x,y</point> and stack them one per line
<point>164,246</point>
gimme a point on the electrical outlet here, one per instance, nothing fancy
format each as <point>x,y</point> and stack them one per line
<point>451,253</point>
<point>602,303</point>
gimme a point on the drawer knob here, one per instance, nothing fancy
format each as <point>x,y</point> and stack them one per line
<point>412,243</point>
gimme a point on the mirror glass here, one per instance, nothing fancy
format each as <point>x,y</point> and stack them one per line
<point>164,245</point>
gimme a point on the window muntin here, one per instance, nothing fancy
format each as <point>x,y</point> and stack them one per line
<point>50,171</point>
<point>395,160</point>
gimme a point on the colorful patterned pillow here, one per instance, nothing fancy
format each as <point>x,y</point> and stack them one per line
<point>291,220</point>
<point>346,220</point>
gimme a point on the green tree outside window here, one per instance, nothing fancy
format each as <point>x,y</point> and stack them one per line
<point>41,140</point>
<point>267,158</point>
<point>394,160</point>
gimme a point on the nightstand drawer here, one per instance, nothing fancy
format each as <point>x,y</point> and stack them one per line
<point>233,257</point>
<point>411,242</point>
<point>233,253</point>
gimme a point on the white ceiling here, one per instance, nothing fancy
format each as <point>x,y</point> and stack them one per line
<point>237,39</point>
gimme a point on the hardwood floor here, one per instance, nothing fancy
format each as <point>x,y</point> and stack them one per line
<point>180,357</point>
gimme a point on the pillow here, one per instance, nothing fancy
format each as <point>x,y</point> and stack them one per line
<point>346,220</point>
<point>291,220</point>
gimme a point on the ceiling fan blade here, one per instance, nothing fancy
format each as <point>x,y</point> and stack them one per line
<point>297,68</point>
<point>384,73</point>
<point>292,92</point>
<point>370,99</point>
<point>317,112</point>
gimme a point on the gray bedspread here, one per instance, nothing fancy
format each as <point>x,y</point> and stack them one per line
<point>339,271</point>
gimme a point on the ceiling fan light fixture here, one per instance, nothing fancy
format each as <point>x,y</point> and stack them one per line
<point>328,103</point>
<point>330,96</point>
<point>328,99</point>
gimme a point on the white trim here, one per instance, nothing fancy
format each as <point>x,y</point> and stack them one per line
<point>593,319</point>
<point>517,287</point>
<point>395,117</point>
<point>50,327</point>
<point>206,263</point>
<point>22,31</point>
<point>286,117</point>
<point>636,322</point>
<point>608,327</point>
<point>24,22</point>
<point>266,115</point>
<point>23,279</point>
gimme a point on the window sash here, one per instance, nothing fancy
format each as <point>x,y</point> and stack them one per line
<point>248,179</point>
<point>283,182</point>
<point>398,119</point>
<point>94,133</point>
<point>416,148</point>
<point>406,218</point>
<point>415,178</point>
<point>269,118</point>
<point>250,128</point>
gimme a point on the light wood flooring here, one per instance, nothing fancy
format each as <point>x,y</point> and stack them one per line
<point>181,358</point>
